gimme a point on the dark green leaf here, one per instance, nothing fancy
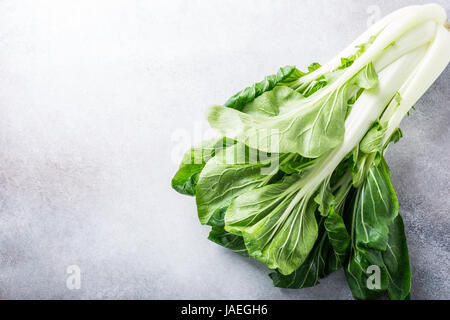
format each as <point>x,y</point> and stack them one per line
<point>375,208</point>
<point>337,235</point>
<point>396,260</point>
<point>284,76</point>
<point>228,240</point>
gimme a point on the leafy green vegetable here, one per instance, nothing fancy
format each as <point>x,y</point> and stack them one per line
<point>300,182</point>
<point>378,239</point>
<point>193,162</point>
<point>308,126</point>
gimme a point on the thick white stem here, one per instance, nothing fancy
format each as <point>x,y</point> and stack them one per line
<point>391,33</point>
<point>411,40</point>
<point>431,66</point>
<point>374,30</point>
<point>409,17</point>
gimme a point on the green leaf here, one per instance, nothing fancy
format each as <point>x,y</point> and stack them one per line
<point>314,127</point>
<point>360,166</point>
<point>373,140</point>
<point>324,198</point>
<point>338,236</point>
<point>395,272</point>
<point>396,260</point>
<point>279,227</point>
<point>396,136</point>
<point>230,173</point>
<point>193,162</point>
<point>309,88</point>
<point>280,100</point>
<point>284,76</point>
<point>228,240</point>
<point>309,273</point>
<point>376,206</point>
<point>313,67</point>
<point>348,61</point>
<point>357,273</point>
<point>321,261</point>
<point>295,163</point>
<point>377,239</point>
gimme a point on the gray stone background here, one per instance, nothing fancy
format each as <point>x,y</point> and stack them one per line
<point>93,98</point>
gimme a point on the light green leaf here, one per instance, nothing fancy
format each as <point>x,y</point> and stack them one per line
<point>311,270</point>
<point>278,228</point>
<point>284,76</point>
<point>193,162</point>
<point>225,177</point>
<point>314,127</point>
<point>373,140</point>
<point>279,100</point>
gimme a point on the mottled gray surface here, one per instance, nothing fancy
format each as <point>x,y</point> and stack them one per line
<point>91,93</point>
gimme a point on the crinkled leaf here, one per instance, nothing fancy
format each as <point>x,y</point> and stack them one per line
<point>284,76</point>
<point>313,128</point>
<point>272,103</point>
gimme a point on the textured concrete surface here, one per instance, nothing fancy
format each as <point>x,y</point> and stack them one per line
<point>97,98</point>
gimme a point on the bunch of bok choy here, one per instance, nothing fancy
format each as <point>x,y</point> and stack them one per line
<point>298,179</point>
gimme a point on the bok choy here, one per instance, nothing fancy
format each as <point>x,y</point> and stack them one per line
<point>298,178</point>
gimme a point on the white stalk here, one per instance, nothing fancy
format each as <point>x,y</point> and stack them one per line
<point>408,16</point>
<point>374,30</point>
<point>390,34</point>
<point>411,40</point>
<point>434,62</point>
